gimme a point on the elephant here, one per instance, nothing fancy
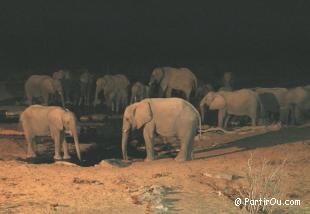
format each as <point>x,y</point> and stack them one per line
<point>38,121</point>
<point>298,102</point>
<point>201,91</point>
<point>139,92</point>
<point>167,117</point>
<point>59,75</point>
<point>71,87</point>
<point>43,86</point>
<point>111,85</point>
<point>227,81</point>
<point>226,88</point>
<point>87,81</point>
<point>280,94</point>
<point>271,106</point>
<point>169,78</point>
<point>118,99</point>
<point>242,102</point>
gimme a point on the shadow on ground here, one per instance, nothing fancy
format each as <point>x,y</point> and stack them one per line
<point>283,136</point>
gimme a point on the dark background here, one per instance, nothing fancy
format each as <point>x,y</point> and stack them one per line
<point>263,42</point>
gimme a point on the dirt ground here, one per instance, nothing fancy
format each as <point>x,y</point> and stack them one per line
<point>208,184</point>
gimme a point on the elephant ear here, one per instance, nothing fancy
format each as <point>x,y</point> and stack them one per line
<point>164,78</point>
<point>55,119</point>
<point>142,114</point>
<point>48,85</point>
<point>217,103</point>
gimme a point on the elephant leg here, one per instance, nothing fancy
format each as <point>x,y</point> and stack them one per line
<point>169,92</point>
<point>253,120</point>
<point>31,146</point>
<point>57,140</point>
<point>187,94</point>
<point>220,118</point>
<point>113,106</point>
<point>45,98</point>
<point>186,149</point>
<point>226,120</point>
<point>117,106</point>
<point>65,149</point>
<point>149,135</point>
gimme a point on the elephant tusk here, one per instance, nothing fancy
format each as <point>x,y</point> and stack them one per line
<point>125,130</point>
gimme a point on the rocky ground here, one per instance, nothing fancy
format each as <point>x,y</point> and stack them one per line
<point>208,184</point>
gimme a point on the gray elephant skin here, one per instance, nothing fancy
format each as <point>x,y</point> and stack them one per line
<point>54,121</point>
<point>114,87</point>
<point>139,91</point>
<point>168,78</point>
<point>163,116</point>
<point>242,102</point>
<point>298,103</point>
<point>271,107</point>
<point>280,95</point>
<point>86,81</point>
<point>43,86</point>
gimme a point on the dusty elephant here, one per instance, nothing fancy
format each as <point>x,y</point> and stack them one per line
<point>271,107</point>
<point>111,85</point>
<point>54,121</point>
<point>298,102</point>
<point>139,92</point>
<point>243,102</point>
<point>87,80</point>
<point>43,86</point>
<point>166,117</point>
<point>280,94</point>
<point>181,79</point>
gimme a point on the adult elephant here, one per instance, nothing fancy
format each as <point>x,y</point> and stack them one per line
<point>87,80</point>
<point>168,78</point>
<point>59,75</point>
<point>111,86</point>
<point>139,92</point>
<point>271,107</point>
<point>280,95</point>
<point>242,102</point>
<point>166,117</point>
<point>54,121</point>
<point>71,87</point>
<point>298,102</point>
<point>43,86</point>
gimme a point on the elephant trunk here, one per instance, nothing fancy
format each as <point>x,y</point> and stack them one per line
<point>124,144</point>
<point>96,96</point>
<point>202,112</point>
<point>62,99</point>
<point>76,143</point>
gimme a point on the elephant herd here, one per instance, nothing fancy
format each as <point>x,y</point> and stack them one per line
<point>153,108</point>
<point>114,91</point>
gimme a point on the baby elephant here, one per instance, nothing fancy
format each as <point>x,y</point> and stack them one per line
<point>164,116</point>
<point>54,121</point>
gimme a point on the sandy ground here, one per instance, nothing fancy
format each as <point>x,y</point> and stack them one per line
<point>208,184</point>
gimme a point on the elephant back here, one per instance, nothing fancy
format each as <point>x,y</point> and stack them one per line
<point>36,83</point>
<point>47,85</point>
<point>122,80</point>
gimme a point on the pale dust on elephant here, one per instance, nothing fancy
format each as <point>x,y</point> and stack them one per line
<point>169,78</point>
<point>86,80</point>
<point>242,102</point>
<point>166,117</point>
<point>139,91</point>
<point>44,87</point>
<point>38,121</point>
<point>298,102</point>
<point>112,86</point>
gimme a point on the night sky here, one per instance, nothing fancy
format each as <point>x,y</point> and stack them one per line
<point>96,34</point>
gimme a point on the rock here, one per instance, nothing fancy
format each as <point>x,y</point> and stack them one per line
<point>220,175</point>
